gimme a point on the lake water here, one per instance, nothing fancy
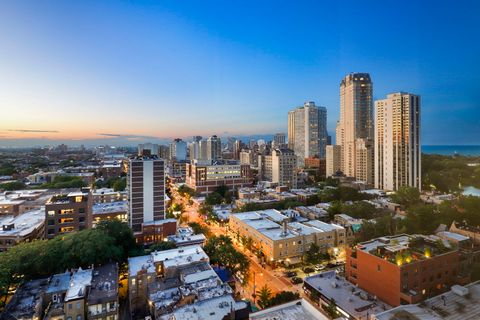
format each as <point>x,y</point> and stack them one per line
<point>471,191</point>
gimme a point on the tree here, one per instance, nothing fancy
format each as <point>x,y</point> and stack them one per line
<point>360,210</point>
<point>312,255</point>
<point>162,246</point>
<point>283,297</point>
<point>406,196</point>
<point>334,209</point>
<point>222,190</point>
<point>213,199</point>
<point>120,184</point>
<point>14,185</point>
<point>198,228</point>
<point>221,251</point>
<point>121,232</point>
<point>264,295</point>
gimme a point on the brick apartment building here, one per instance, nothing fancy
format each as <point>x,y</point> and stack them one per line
<point>68,212</point>
<point>206,176</point>
<point>403,269</point>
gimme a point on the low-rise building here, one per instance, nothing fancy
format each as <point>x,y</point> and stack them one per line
<point>206,176</point>
<point>461,302</point>
<point>466,230</point>
<point>414,267</point>
<point>186,237</point>
<point>156,231</point>
<point>295,310</point>
<point>281,241</point>
<point>105,211</point>
<point>178,284</point>
<point>24,227</point>
<point>77,294</point>
<point>103,195</point>
<point>351,302</point>
<point>68,212</point>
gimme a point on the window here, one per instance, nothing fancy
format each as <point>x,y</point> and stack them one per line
<point>70,306</point>
<point>81,210</point>
<point>378,268</point>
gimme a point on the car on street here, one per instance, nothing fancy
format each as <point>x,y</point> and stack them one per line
<point>290,274</point>
<point>297,280</point>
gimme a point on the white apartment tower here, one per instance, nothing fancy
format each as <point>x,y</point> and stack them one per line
<point>146,190</point>
<point>356,121</point>
<point>214,148</point>
<point>397,141</point>
<point>307,131</point>
<point>178,150</point>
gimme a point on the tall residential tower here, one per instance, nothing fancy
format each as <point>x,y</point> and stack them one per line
<point>307,131</point>
<point>397,141</point>
<point>355,127</point>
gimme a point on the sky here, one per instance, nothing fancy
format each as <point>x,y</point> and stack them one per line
<point>123,72</point>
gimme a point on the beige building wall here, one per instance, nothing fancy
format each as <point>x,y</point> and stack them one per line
<point>333,159</point>
<point>397,142</point>
<point>356,118</point>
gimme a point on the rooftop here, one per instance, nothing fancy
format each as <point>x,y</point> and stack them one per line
<point>457,304</point>
<point>294,310</point>
<point>404,249</point>
<point>211,309</point>
<point>27,300</point>
<point>21,225</point>
<point>104,284</point>
<point>79,282</point>
<point>347,296</point>
<point>110,207</point>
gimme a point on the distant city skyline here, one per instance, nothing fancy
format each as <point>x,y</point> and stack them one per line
<point>123,73</point>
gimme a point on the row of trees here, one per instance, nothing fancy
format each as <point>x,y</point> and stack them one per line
<point>116,183</point>
<point>266,299</point>
<point>221,251</point>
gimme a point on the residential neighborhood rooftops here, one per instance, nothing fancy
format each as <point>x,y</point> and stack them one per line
<point>461,302</point>
<point>347,296</point>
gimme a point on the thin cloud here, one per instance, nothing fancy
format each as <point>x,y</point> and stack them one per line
<point>33,131</point>
<point>126,136</point>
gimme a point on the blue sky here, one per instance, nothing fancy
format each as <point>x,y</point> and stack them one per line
<point>133,71</point>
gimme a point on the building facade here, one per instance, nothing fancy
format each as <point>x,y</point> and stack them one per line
<point>307,131</point>
<point>403,269</point>
<point>333,160</point>
<point>397,142</point>
<point>146,190</point>
<point>356,119</point>
<point>178,150</point>
<point>65,213</point>
<point>214,148</point>
<point>206,176</point>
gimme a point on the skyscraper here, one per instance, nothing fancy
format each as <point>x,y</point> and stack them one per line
<point>356,121</point>
<point>178,150</point>
<point>214,148</point>
<point>279,140</point>
<point>146,190</point>
<point>397,141</point>
<point>307,131</point>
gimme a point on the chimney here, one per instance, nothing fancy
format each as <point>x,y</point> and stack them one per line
<point>284,224</point>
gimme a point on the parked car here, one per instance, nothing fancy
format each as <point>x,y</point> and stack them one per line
<point>319,267</point>
<point>308,270</point>
<point>297,280</point>
<point>290,274</point>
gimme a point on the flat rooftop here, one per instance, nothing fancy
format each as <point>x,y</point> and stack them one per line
<point>295,310</point>
<point>211,309</point>
<point>79,282</point>
<point>110,207</point>
<point>326,227</point>
<point>104,284</point>
<point>23,224</point>
<point>457,304</point>
<point>347,296</point>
